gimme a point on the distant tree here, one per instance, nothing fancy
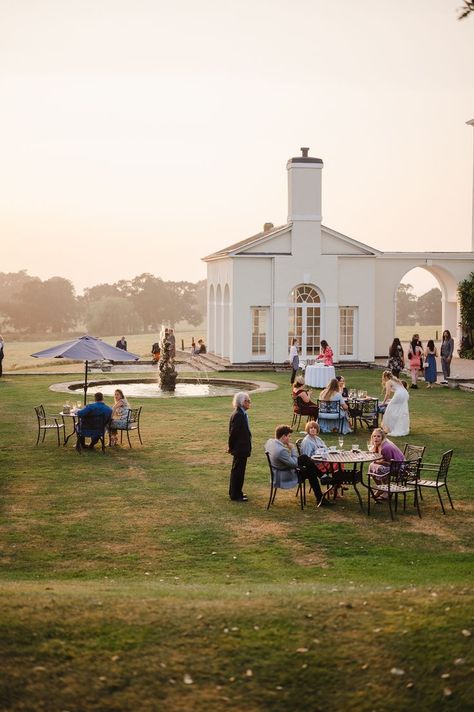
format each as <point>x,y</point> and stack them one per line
<point>406,304</point>
<point>466,9</point>
<point>428,307</point>
<point>11,284</point>
<point>466,302</point>
<point>93,294</point>
<point>112,315</point>
<point>44,306</point>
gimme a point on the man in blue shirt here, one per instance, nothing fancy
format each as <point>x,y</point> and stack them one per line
<point>92,416</point>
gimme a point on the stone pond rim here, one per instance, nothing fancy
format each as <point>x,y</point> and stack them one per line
<point>255,386</point>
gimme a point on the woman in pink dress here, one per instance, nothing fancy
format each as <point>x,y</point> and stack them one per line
<point>326,354</point>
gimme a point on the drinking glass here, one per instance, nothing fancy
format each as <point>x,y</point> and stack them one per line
<point>341,441</point>
<point>78,404</point>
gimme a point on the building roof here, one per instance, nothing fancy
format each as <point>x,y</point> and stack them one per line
<point>261,237</point>
<point>253,240</point>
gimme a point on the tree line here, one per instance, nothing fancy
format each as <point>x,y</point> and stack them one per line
<point>142,304</point>
<point>423,310</point>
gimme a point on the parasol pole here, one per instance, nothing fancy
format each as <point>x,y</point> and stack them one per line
<point>85,385</point>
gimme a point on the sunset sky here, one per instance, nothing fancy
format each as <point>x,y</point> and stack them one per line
<point>139,136</point>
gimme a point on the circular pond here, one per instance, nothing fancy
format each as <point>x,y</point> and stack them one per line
<point>149,388</point>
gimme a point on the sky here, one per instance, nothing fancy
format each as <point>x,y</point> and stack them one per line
<point>141,135</point>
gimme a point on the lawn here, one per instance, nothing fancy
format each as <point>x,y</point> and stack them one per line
<point>130,582</point>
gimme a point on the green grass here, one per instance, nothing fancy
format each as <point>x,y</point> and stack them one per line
<point>120,574</point>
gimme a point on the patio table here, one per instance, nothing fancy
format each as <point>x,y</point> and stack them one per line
<point>348,476</point>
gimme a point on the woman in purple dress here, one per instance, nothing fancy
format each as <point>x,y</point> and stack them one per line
<point>379,469</point>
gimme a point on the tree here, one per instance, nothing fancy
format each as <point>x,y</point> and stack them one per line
<point>428,307</point>
<point>112,315</point>
<point>44,306</point>
<point>406,304</point>
<point>466,301</point>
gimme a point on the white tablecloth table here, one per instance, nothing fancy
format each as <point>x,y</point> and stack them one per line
<point>319,376</point>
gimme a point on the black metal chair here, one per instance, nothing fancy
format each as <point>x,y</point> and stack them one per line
<point>273,488</point>
<point>441,471</point>
<point>402,479</point>
<point>133,423</point>
<point>92,425</point>
<point>414,452</point>
<point>330,411</point>
<point>369,413</point>
<point>298,489</point>
<point>48,423</point>
<point>355,411</point>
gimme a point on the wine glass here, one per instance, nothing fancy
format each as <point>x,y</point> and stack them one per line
<point>340,441</point>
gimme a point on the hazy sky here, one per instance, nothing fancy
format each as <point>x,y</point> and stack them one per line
<point>140,135</point>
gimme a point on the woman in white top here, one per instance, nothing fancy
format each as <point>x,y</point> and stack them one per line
<point>396,419</point>
<point>294,359</point>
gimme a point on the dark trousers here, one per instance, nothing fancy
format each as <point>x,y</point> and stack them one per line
<point>237,475</point>
<point>293,375</point>
<point>310,472</point>
<point>1,367</point>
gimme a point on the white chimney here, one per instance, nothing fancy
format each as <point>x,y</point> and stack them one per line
<point>471,123</point>
<point>304,187</point>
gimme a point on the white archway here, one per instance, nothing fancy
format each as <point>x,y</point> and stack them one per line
<point>211,320</point>
<point>219,330</point>
<point>448,286</point>
<point>226,322</point>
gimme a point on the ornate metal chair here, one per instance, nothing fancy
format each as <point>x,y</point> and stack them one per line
<point>301,487</point>
<point>441,480</point>
<point>402,479</point>
<point>369,413</point>
<point>413,452</point>
<point>47,423</point>
<point>330,411</point>
<point>92,425</point>
<point>133,423</point>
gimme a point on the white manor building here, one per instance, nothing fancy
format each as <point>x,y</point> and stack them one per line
<point>306,280</point>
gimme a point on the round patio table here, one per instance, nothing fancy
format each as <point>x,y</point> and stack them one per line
<point>348,476</point>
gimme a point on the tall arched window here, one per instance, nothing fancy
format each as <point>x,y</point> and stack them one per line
<point>304,319</point>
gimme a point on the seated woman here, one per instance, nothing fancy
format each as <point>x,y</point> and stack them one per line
<point>302,399</point>
<point>326,354</point>
<point>327,422</point>
<point>342,386</point>
<point>379,443</point>
<point>312,442</point>
<point>119,415</point>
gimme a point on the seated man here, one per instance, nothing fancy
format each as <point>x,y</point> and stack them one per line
<point>93,416</point>
<point>284,459</point>
<point>200,348</point>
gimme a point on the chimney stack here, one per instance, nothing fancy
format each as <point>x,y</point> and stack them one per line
<point>268,226</point>
<point>304,187</point>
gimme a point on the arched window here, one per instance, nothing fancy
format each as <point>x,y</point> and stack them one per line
<point>304,319</point>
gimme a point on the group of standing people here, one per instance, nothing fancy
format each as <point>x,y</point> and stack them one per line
<point>421,360</point>
<point>326,355</point>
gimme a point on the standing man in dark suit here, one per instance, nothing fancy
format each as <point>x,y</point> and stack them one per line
<point>121,344</point>
<point>2,343</point>
<point>240,445</point>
